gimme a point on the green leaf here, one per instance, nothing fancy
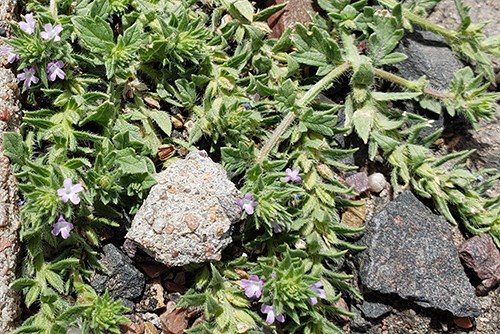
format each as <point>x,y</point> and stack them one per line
<point>162,119</point>
<point>64,264</point>
<point>22,283</point>
<point>363,122</point>
<point>102,115</point>
<point>14,147</point>
<point>129,162</point>
<point>242,10</point>
<point>54,280</point>
<point>32,294</point>
<point>263,15</point>
<point>95,33</point>
<point>101,8</point>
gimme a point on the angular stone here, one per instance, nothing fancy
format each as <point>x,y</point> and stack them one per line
<point>374,310</point>
<point>187,216</point>
<point>411,254</point>
<point>121,278</point>
<point>480,255</point>
<point>427,55</point>
<point>359,182</point>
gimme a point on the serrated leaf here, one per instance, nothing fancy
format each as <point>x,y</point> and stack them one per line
<point>22,283</point>
<point>362,120</point>
<point>95,33</point>
<point>163,121</point>
<point>14,147</point>
<point>32,294</point>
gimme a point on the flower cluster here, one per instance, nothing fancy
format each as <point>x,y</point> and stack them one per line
<point>254,287</point>
<point>54,68</point>
<point>69,192</point>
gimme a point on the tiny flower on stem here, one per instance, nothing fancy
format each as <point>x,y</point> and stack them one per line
<point>28,25</point>
<point>70,191</point>
<point>28,76</point>
<point>291,175</point>
<point>54,70</point>
<point>11,56</point>
<point>63,227</point>
<point>51,32</point>
<point>253,286</point>
<point>247,203</point>
<point>271,314</point>
<point>277,227</point>
<point>317,288</point>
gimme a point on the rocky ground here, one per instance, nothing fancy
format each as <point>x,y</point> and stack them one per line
<point>412,276</point>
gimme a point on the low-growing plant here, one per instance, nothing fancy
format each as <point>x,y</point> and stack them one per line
<point>108,83</point>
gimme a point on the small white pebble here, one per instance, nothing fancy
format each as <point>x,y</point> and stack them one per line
<point>376,182</point>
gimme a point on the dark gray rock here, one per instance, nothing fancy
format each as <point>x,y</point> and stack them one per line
<point>121,278</point>
<point>411,254</point>
<point>358,323</point>
<point>427,55</point>
<point>374,310</point>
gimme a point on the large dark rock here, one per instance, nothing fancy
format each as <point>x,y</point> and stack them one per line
<point>121,278</point>
<point>427,55</point>
<point>411,254</point>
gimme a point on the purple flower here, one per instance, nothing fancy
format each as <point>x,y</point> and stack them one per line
<point>54,70</point>
<point>11,56</point>
<point>70,191</point>
<point>63,227</point>
<point>28,26</point>
<point>28,76</point>
<point>247,203</point>
<point>317,288</point>
<point>271,314</point>
<point>253,286</point>
<point>277,227</point>
<point>51,32</point>
<point>291,175</point>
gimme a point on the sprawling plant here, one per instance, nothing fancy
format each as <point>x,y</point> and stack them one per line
<point>110,83</point>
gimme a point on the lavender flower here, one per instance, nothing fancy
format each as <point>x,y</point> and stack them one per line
<point>291,175</point>
<point>317,288</point>
<point>253,286</point>
<point>277,227</point>
<point>28,26</point>
<point>247,203</point>
<point>28,76</point>
<point>51,32</point>
<point>271,314</point>
<point>63,227</point>
<point>54,70</point>
<point>70,191</point>
<point>11,56</point>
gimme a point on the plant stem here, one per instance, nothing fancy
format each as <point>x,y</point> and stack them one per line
<point>308,97</point>
<point>422,22</point>
<point>409,84</point>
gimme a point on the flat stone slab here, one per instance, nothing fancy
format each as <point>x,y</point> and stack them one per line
<point>187,216</point>
<point>411,254</point>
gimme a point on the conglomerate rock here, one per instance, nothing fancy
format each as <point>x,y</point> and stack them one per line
<point>187,216</point>
<point>9,220</point>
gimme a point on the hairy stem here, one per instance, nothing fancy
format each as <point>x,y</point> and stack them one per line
<point>308,97</point>
<point>409,84</point>
<point>422,22</point>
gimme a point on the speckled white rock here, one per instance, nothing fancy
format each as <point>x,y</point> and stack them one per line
<point>187,216</point>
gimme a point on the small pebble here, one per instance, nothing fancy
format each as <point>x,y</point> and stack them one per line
<point>376,182</point>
